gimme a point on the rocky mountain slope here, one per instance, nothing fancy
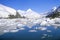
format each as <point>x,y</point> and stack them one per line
<point>54,13</point>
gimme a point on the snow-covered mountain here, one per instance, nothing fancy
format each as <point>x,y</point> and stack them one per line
<point>29,13</point>
<point>21,12</point>
<point>54,8</point>
<point>32,14</point>
<point>5,11</point>
<point>55,12</point>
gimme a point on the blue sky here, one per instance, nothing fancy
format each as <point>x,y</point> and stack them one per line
<point>36,5</point>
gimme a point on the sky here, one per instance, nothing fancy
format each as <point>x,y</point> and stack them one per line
<point>39,6</point>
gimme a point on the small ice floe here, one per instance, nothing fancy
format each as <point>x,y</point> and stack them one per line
<point>50,35</point>
<point>5,31</point>
<point>56,25</point>
<point>44,36</point>
<point>20,25</point>
<point>1,32</point>
<point>14,30</point>
<point>44,23</point>
<point>32,31</point>
<point>42,28</point>
<point>29,25</point>
<point>21,28</point>
<point>48,30</point>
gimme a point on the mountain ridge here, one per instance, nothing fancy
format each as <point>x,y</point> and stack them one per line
<point>55,13</point>
<point>10,11</point>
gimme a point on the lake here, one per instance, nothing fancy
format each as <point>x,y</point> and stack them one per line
<point>43,33</point>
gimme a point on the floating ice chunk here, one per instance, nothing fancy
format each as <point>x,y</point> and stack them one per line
<point>42,28</point>
<point>30,24</point>
<point>48,30</point>
<point>43,37</point>
<point>22,29</point>
<point>16,30</point>
<point>44,34</point>
<point>52,21</point>
<point>32,31</point>
<point>5,31</point>
<point>1,32</point>
<point>19,24</point>
<point>50,35</point>
<point>44,23</point>
<point>37,21</point>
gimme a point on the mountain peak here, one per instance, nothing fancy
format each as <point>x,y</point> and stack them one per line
<point>54,8</point>
<point>29,10</point>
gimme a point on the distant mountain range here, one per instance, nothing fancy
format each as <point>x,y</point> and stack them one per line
<point>8,12</point>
